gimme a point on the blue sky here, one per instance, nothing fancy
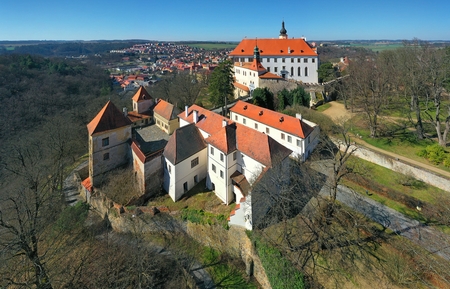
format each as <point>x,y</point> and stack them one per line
<point>231,20</point>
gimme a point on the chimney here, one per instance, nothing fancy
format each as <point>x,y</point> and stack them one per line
<point>186,110</point>
<point>125,111</point>
<point>195,117</point>
<point>299,116</point>
<point>224,123</point>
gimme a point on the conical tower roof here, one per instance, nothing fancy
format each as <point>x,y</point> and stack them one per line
<point>110,117</point>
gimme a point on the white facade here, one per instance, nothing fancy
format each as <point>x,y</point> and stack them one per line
<point>183,176</point>
<point>301,148</point>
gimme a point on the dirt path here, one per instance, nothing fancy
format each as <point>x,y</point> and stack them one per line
<point>337,112</point>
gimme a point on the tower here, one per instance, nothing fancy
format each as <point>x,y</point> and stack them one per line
<point>283,32</point>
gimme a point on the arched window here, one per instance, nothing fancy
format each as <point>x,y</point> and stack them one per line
<point>306,71</point>
<point>298,71</point>
<point>292,71</point>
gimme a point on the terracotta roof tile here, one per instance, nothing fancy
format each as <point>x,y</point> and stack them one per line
<point>166,109</point>
<point>110,117</point>
<point>208,121</point>
<point>141,95</point>
<point>224,139</point>
<point>274,47</point>
<point>241,86</point>
<point>273,119</point>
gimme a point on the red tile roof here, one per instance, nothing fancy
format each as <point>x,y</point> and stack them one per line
<point>260,146</point>
<point>165,109</point>
<point>269,75</point>
<point>283,122</point>
<point>241,86</point>
<point>87,184</point>
<point>208,121</point>
<point>141,95</point>
<point>109,117</point>
<point>274,47</point>
<point>250,142</point>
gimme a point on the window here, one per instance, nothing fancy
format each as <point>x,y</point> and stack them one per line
<point>234,156</point>
<point>105,141</point>
<point>308,140</point>
<point>299,143</point>
<point>292,71</point>
<point>289,138</point>
<point>106,156</point>
<point>134,106</point>
<point>268,59</point>
<point>298,71</point>
<point>244,120</point>
<point>221,174</point>
<point>284,67</point>
<point>268,69</point>
<point>235,117</point>
<point>283,60</point>
<point>306,71</point>
<point>256,126</point>
<point>194,162</point>
<point>313,60</point>
<point>267,130</point>
<point>213,167</point>
<point>185,186</point>
<point>298,60</point>
<point>275,69</point>
<point>282,136</point>
<point>212,151</point>
<point>292,60</point>
<point>305,60</point>
<point>221,157</point>
<point>274,60</point>
<point>195,179</point>
<point>169,168</point>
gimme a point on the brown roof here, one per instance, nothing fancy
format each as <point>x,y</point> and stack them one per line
<point>109,117</point>
<point>269,75</point>
<point>166,110</point>
<point>183,143</point>
<point>274,47</point>
<point>141,94</point>
<point>273,119</point>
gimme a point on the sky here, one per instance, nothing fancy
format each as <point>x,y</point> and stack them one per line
<point>231,20</point>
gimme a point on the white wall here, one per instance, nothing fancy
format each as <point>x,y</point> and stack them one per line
<point>183,173</point>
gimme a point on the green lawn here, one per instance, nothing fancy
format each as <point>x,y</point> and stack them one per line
<point>323,107</point>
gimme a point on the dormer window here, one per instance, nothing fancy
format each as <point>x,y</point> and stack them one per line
<point>245,107</point>
<point>261,113</point>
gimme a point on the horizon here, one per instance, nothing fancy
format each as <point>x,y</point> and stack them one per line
<point>112,20</point>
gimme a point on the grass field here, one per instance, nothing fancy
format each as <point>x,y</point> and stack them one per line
<point>213,45</point>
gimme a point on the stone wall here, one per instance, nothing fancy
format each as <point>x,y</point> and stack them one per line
<point>402,167</point>
<point>234,242</point>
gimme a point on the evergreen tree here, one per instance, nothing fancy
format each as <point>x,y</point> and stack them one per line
<point>221,83</point>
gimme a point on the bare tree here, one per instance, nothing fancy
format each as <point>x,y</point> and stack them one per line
<point>370,87</point>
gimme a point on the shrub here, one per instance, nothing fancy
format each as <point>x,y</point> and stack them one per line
<point>72,217</point>
<point>434,153</point>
